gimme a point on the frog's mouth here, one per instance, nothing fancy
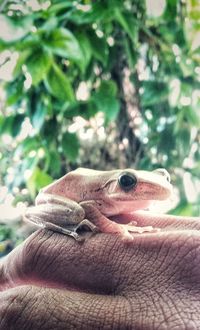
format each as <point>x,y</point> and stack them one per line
<point>127,207</point>
<point>142,192</point>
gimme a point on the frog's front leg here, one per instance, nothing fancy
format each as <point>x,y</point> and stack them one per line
<point>104,224</point>
<point>58,214</point>
<point>107,225</point>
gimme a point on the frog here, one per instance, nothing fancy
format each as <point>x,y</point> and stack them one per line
<point>94,200</point>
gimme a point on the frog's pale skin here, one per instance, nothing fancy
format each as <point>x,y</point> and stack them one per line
<point>96,199</point>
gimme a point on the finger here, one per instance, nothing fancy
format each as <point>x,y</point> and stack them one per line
<point>32,307</point>
<point>163,221</point>
<point>97,265</point>
<point>57,260</point>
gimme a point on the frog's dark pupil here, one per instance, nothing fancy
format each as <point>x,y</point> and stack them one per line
<point>127,181</point>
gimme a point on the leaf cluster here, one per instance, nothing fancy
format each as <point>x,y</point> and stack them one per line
<point>89,60</point>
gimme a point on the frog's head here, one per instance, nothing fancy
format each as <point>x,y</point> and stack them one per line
<point>138,185</point>
<point>134,190</point>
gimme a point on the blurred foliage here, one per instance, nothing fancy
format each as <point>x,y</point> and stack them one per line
<point>8,239</point>
<point>101,84</point>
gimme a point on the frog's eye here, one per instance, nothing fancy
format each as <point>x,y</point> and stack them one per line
<point>127,181</point>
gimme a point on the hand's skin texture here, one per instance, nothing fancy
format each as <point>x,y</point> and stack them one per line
<point>52,281</point>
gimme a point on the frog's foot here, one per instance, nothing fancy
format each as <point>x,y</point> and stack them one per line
<point>87,223</point>
<point>70,232</point>
<point>53,217</point>
<point>106,225</point>
<point>134,229</point>
<point>74,230</point>
<point>126,230</point>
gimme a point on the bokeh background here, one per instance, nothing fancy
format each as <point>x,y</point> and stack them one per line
<point>98,84</point>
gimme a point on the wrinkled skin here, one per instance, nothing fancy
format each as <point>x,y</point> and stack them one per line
<point>52,281</point>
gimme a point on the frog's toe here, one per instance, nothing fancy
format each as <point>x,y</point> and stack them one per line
<point>88,224</point>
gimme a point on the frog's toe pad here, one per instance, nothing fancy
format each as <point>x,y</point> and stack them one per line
<point>141,230</point>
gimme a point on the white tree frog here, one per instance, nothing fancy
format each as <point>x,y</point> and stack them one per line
<point>91,198</point>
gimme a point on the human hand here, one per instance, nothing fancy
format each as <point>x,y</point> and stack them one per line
<point>52,281</point>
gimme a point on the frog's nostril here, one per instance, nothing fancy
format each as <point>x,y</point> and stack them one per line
<point>164,173</point>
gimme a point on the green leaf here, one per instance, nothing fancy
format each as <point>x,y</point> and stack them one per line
<point>56,8</point>
<point>2,119</point>
<point>196,170</point>
<point>38,65</point>
<point>186,118</point>
<point>38,180</point>
<point>128,23</point>
<point>99,47</point>
<point>54,162</point>
<point>15,91</point>
<point>5,234</point>
<point>63,43</point>
<point>13,29</point>
<point>6,124</point>
<point>193,116</point>
<point>59,85</point>
<point>166,140</point>
<point>131,54</point>
<point>29,144</point>
<point>154,93</point>
<point>70,146</point>
<point>30,42</point>
<point>50,130</point>
<point>39,115</point>
<point>106,101</point>
<point>183,209</point>
<point>85,47</point>
<point>98,12</point>
<point>183,141</point>
<point>16,124</point>
<point>171,10</point>
<point>20,62</point>
<point>85,109</point>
